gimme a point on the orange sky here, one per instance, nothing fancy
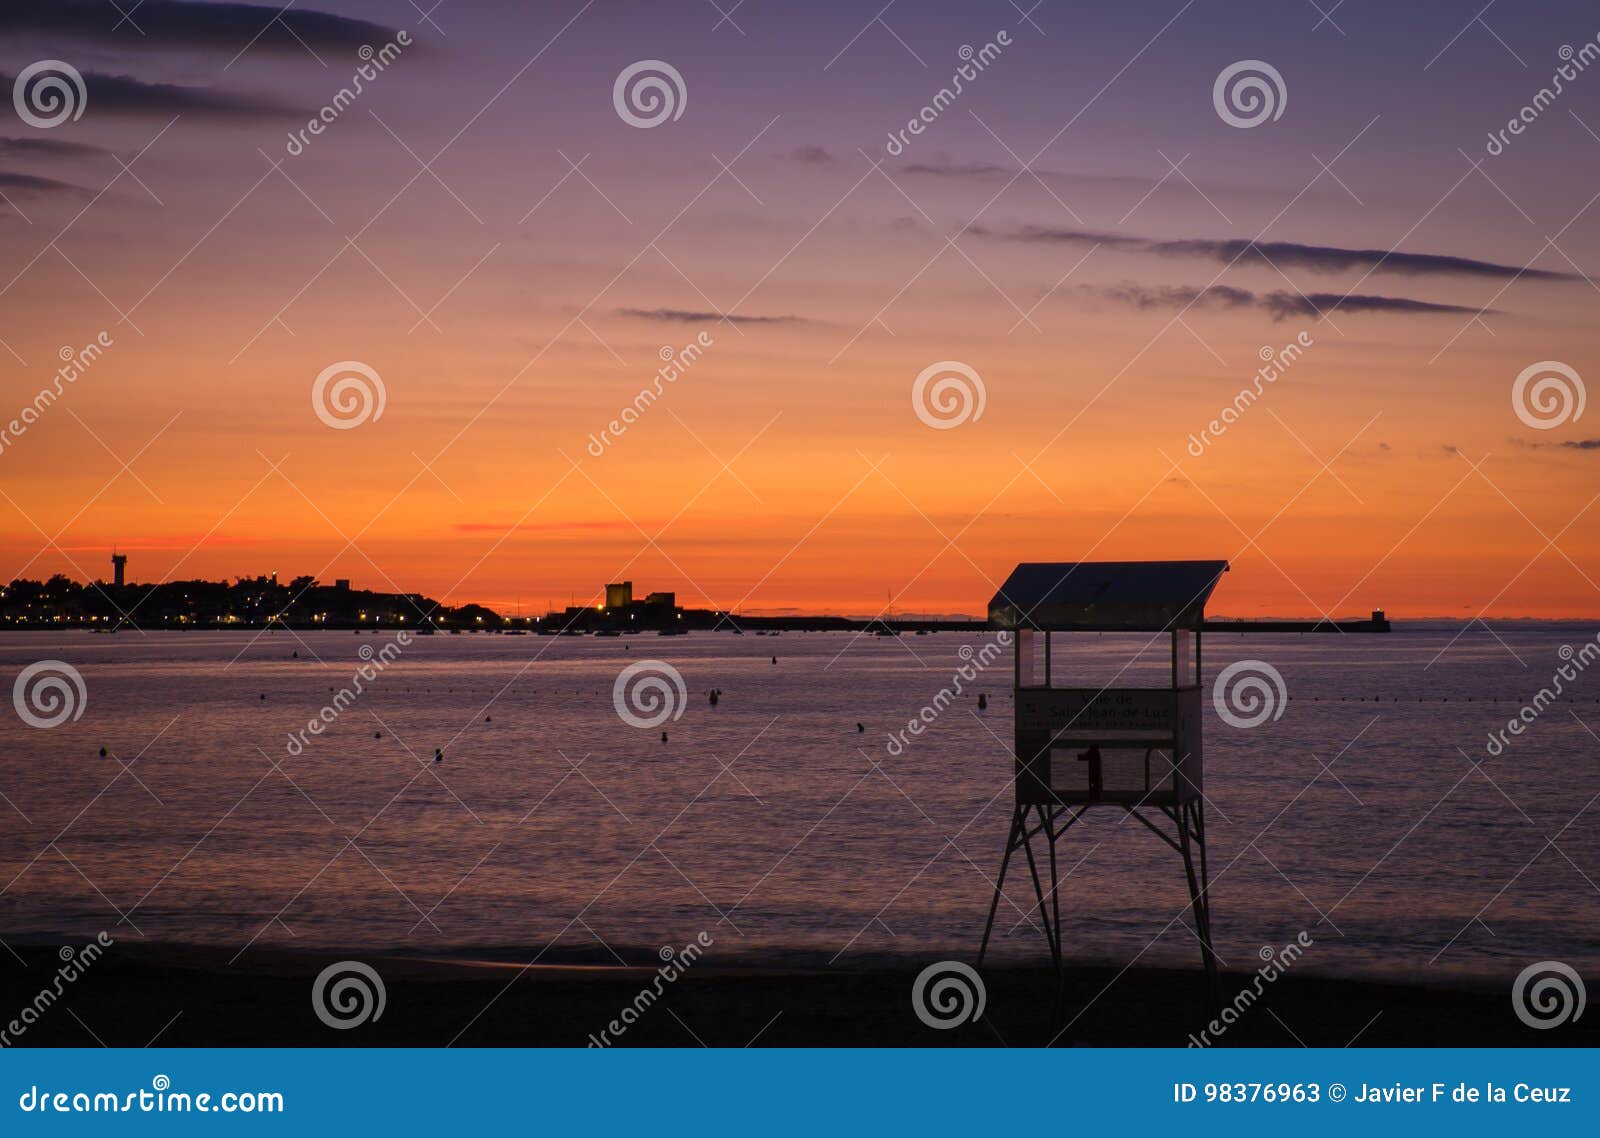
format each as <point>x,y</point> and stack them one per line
<point>227,298</point>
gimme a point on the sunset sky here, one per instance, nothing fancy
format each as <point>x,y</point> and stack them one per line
<point>1061,228</point>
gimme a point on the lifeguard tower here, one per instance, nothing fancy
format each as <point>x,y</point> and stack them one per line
<point>1134,749</point>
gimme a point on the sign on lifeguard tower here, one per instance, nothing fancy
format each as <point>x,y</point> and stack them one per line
<point>1134,748</point>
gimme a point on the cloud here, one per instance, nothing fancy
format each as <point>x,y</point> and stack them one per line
<point>30,185</point>
<point>541,527</point>
<point>1283,254</point>
<point>1175,296</point>
<point>190,24</point>
<point>687,316</point>
<point>1570,444</point>
<point>816,155</point>
<point>1279,305</point>
<point>125,95</point>
<point>48,148</point>
<point>942,167</point>
<point>1286,304</point>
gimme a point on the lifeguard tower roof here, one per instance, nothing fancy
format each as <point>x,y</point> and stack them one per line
<point>1106,596</point>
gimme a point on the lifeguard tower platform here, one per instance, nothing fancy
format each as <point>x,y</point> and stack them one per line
<point>1134,749</point>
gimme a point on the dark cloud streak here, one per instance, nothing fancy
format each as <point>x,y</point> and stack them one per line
<point>224,26</point>
<point>687,316</point>
<point>1280,305</point>
<point>48,148</point>
<point>125,95</point>
<point>1283,254</point>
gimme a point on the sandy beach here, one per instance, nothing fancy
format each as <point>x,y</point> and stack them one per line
<point>176,996</point>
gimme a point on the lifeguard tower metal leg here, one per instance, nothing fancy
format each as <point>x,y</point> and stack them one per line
<point>1134,748</point>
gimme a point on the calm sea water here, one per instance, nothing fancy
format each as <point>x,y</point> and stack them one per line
<point>769,821</point>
